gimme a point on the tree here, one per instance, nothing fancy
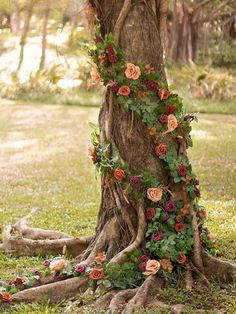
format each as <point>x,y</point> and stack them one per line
<point>44,35</point>
<point>148,190</point>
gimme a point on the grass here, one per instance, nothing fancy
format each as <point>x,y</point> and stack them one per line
<point>44,164</point>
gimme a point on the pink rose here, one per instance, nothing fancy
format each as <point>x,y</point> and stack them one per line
<point>154,194</point>
<point>172,123</point>
<point>57,264</point>
<point>152,267</point>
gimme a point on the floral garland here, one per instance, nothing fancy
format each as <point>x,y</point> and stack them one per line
<point>169,233</point>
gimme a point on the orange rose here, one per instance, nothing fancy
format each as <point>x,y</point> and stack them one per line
<point>5,296</point>
<point>57,264</point>
<point>152,267</point>
<point>172,123</point>
<point>100,258</point>
<point>141,94</point>
<point>163,93</point>
<point>124,90</point>
<point>182,258</point>
<point>178,218</point>
<point>95,75</point>
<point>132,71</point>
<point>96,274</point>
<point>152,131</point>
<point>20,280</point>
<point>119,174</point>
<point>161,149</point>
<point>154,194</point>
<point>166,264</point>
<point>149,69</point>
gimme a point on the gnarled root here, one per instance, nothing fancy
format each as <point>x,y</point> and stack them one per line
<point>215,267</point>
<point>120,299</point>
<point>55,292</point>
<point>148,289</point>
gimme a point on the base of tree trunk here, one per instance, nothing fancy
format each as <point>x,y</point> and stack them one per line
<point>119,301</point>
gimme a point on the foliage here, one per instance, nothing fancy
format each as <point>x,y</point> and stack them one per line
<point>224,55</point>
<point>208,83</point>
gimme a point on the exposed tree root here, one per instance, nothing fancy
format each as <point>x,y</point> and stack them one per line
<point>103,302</point>
<point>188,280</point>
<point>55,292</point>
<point>200,275</point>
<point>120,299</point>
<point>149,288</point>
<point>215,267</point>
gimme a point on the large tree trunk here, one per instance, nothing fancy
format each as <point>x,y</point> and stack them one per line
<point>140,42</point>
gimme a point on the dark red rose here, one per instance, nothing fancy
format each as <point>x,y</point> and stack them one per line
<point>151,85</point>
<point>98,39</point>
<point>196,181</point>
<point>179,227</point>
<point>197,192</point>
<point>163,118</point>
<point>170,109</point>
<point>169,206</point>
<point>142,266</point>
<point>143,259</point>
<point>135,181</point>
<point>182,170</point>
<point>114,87</point>
<point>157,236</point>
<point>150,213</point>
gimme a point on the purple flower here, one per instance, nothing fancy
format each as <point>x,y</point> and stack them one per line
<point>157,236</point>
<point>169,206</point>
<point>151,85</point>
<point>46,263</point>
<point>80,268</point>
<point>98,39</point>
<point>135,181</point>
<point>36,272</point>
<point>142,266</point>
<point>197,192</point>
<point>112,57</point>
<point>163,118</point>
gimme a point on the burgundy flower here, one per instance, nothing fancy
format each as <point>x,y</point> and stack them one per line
<point>95,158</point>
<point>46,263</point>
<point>169,206</point>
<point>179,227</point>
<point>112,57</point>
<point>197,192</point>
<point>157,236</point>
<point>150,213</point>
<point>11,282</point>
<point>196,181</point>
<point>98,39</point>
<point>80,269</point>
<point>151,85</point>
<point>189,117</point>
<point>163,118</point>
<point>36,272</point>
<point>182,170</point>
<point>170,109</point>
<point>142,266</point>
<point>143,259</point>
<point>135,181</point>
<point>114,87</point>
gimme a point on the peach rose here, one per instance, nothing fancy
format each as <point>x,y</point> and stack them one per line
<point>124,90</point>
<point>100,258</point>
<point>152,267</point>
<point>57,264</point>
<point>91,150</point>
<point>152,131</point>
<point>5,296</point>
<point>132,71</point>
<point>161,149</point>
<point>172,123</point>
<point>95,75</point>
<point>154,194</point>
<point>96,274</point>
<point>163,93</point>
<point>119,174</point>
<point>185,211</point>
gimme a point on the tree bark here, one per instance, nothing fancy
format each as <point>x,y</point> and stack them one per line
<point>44,35</point>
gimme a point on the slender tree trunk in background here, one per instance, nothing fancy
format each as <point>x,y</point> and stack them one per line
<point>15,18</point>
<point>28,13</point>
<point>44,35</point>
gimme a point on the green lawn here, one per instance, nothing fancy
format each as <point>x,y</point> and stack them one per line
<point>43,164</point>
